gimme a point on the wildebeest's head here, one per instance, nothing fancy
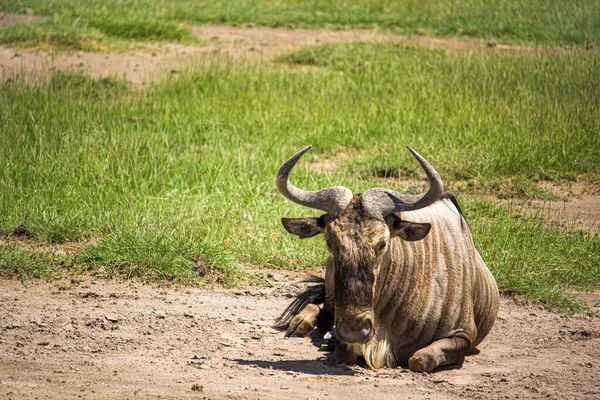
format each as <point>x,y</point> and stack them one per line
<point>358,230</point>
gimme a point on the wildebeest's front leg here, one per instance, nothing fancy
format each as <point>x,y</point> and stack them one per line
<point>445,351</point>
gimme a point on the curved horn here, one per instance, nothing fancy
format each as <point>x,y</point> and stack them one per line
<point>331,200</point>
<point>381,202</point>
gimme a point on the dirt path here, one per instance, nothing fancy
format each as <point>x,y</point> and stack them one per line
<point>264,38</point>
<point>123,340</point>
<point>144,67</point>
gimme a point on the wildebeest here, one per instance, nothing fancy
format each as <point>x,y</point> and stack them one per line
<point>404,283</point>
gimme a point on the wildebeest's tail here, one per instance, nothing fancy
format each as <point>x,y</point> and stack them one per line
<point>314,294</point>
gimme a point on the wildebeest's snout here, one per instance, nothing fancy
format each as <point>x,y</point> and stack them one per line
<point>355,330</point>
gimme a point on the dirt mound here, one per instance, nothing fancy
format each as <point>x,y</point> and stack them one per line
<point>119,340</point>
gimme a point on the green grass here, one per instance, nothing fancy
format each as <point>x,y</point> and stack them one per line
<point>104,35</point>
<point>161,257</point>
<point>529,259</point>
<point>46,35</point>
<point>176,181</point>
<point>486,116</point>
<point>560,22</point>
<point>94,32</point>
<point>16,262</point>
<point>154,257</point>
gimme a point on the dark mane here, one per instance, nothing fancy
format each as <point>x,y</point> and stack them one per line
<point>454,201</point>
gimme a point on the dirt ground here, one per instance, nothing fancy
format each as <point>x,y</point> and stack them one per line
<point>139,68</point>
<point>108,339</point>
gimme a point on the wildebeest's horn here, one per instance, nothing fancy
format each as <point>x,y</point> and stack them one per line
<point>331,200</point>
<point>382,202</point>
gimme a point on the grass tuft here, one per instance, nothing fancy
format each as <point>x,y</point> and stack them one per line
<point>141,30</point>
<point>160,257</point>
<point>529,259</point>
<point>106,34</point>
<point>49,36</point>
<point>16,262</point>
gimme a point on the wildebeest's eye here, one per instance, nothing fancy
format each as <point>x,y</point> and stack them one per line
<point>381,245</point>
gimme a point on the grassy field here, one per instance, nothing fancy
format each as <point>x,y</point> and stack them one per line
<point>176,181</point>
<point>106,24</point>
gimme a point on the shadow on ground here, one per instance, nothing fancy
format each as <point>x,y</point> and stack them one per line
<point>312,367</point>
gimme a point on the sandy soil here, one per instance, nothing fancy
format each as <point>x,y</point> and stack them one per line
<point>123,340</point>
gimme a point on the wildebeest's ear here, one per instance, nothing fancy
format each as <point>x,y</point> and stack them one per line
<point>305,227</point>
<point>409,231</point>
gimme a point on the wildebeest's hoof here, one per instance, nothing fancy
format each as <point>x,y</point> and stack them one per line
<point>304,322</point>
<point>423,362</point>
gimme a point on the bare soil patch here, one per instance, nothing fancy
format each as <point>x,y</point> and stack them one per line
<point>36,245</point>
<point>138,67</point>
<point>15,19</point>
<point>276,39</point>
<point>580,213</point>
<point>578,208</point>
<point>111,339</point>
